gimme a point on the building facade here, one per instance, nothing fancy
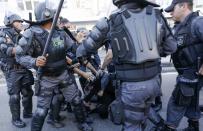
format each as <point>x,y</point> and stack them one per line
<point>82,13</point>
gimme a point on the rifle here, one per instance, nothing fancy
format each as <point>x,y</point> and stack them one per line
<point>39,71</point>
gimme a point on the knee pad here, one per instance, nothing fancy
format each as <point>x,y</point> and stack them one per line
<point>41,112</point>
<point>14,98</point>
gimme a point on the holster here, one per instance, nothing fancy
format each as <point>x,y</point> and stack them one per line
<point>116,110</point>
<point>37,87</point>
<point>28,79</point>
<point>184,93</point>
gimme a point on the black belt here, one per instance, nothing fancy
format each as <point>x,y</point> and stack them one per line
<point>16,67</point>
<point>53,73</point>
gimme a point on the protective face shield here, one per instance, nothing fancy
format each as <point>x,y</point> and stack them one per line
<point>45,11</point>
<point>10,18</point>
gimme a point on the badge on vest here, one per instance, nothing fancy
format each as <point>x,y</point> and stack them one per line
<point>57,41</point>
<point>180,41</point>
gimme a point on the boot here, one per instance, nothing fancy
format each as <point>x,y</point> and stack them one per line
<point>18,123</point>
<point>55,123</point>
<point>84,127</point>
<point>81,118</point>
<point>38,119</point>
<point>192,126</point>
<point>27,104</point>
<point>166,128</point>
<point>14,103</point>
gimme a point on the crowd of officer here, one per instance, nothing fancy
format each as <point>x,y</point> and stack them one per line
<point>126,87</point>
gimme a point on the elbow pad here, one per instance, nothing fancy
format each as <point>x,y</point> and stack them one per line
<point>97,35</point>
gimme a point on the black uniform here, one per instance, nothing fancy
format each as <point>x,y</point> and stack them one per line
<point>19,79</point>
<point>187,61</point>
<point>54,74</point>
<point>138,37</point>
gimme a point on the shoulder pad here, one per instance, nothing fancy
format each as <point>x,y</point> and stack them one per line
<point>2,40</point>
<point>103,25</point>
<point>27,33</point>
<point>23,41</point>
<point>36,29</point>
<point>2,33</point>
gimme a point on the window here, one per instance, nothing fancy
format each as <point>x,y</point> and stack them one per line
<point>3,0</point>
<point>35,3</point>
<point>199,2</point>
<point>20,4</point>
<point>28,5</point>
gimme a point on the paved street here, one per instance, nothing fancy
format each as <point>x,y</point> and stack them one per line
<point>99,125</point>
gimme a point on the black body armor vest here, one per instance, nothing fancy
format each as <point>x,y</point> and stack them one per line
<point>134,42</point>
<point>190,50</point>
<point>56,60</point>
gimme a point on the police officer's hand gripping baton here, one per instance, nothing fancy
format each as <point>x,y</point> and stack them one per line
<point>39,71</point>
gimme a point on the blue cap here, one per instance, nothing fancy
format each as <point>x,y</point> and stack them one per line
<point>174,2</point>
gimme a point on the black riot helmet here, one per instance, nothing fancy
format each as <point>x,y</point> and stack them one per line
<point>11,17</point>
<point>142,3</point>
<point>43,13</point>
<point>119,2</point>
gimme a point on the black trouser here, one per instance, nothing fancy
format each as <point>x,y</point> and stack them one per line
<point>56,106</point>
<point>70,91</point>
<point>20,81</point>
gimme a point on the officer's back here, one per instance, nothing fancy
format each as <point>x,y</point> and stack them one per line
<point>139,36</point>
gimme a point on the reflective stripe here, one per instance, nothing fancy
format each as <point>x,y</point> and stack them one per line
<point>117,43</point>
<point>126,43</point>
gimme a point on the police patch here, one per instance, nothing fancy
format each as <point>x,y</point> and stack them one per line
<point>57,41</point>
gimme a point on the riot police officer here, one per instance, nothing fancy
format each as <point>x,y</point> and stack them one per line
<point>54,72</point>
<point>138,36</point>
<point>18,78</point>
<point>187,60</point>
